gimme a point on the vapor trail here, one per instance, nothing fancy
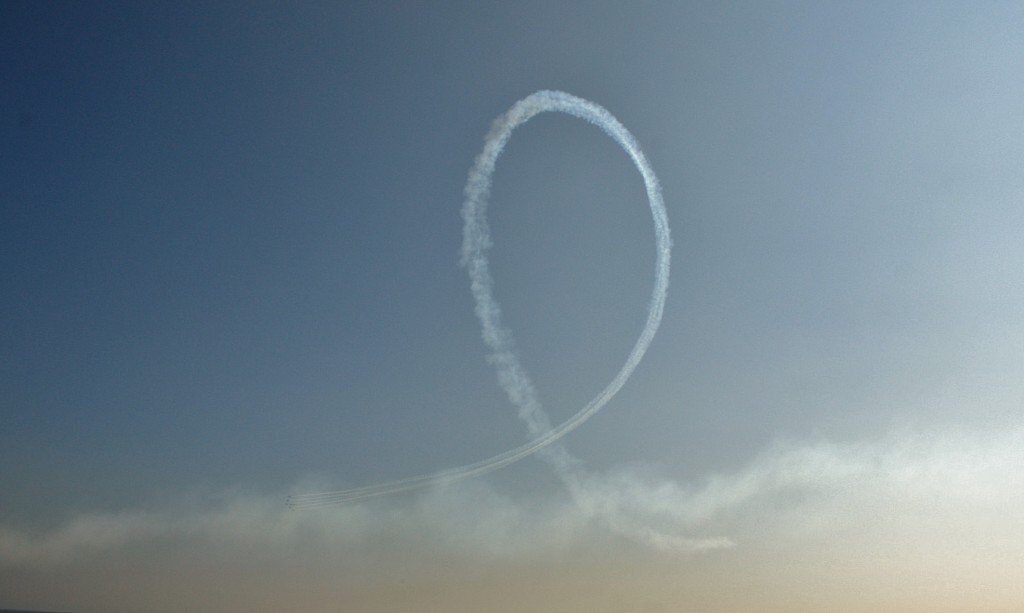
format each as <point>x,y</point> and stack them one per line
<point>511,375</point>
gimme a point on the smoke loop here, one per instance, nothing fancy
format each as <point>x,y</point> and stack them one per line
<point>512,375</point>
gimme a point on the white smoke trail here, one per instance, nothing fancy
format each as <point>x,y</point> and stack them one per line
<point>511,375</point>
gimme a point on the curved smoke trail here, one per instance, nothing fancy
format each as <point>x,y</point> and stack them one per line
<point>511,375</point>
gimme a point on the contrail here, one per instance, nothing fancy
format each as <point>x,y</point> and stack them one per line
<point>511,375</point>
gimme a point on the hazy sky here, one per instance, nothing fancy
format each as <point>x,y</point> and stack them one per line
<point>229,240</point>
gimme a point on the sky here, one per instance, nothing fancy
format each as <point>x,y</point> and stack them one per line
<point>229,252</point>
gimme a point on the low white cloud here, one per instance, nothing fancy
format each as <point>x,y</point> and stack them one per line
<point>935,509</point>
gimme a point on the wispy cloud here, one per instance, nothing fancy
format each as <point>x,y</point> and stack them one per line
<point>966,481</point>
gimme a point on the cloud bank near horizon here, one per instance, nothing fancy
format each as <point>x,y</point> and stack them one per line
<point>938,508</point>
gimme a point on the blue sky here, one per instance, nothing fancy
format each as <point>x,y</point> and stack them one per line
<point>229,251</point>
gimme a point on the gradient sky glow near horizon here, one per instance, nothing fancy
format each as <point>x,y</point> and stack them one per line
<point>229,252</point>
